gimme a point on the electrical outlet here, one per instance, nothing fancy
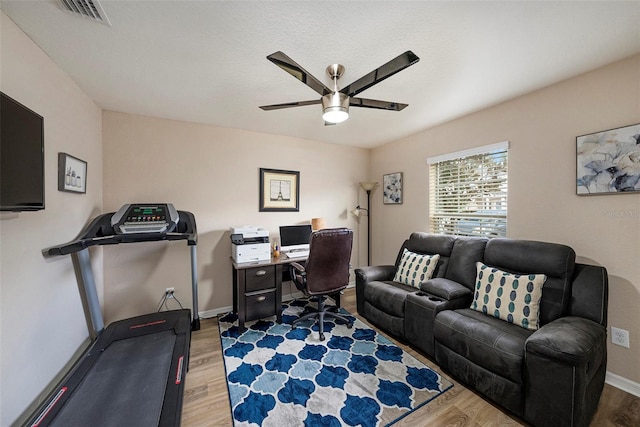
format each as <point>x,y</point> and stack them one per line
<point>620,337</point>
<point>169,292</point>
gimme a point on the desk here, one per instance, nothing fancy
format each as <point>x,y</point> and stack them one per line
<point>257,288</point>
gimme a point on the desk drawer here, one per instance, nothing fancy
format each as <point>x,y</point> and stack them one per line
<point>261,305</point>
<point>259,278</point>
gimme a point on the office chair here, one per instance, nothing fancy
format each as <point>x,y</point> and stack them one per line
<point>326,272</point>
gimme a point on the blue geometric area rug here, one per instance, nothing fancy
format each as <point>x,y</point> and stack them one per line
<point>283,377</point>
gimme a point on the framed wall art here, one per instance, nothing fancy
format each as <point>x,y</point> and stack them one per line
<point>392,188</point>
<point>279,190</point>
<point>72,174</point>
<point>608,162</point>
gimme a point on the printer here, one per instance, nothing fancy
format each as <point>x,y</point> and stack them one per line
<point>250,243</point>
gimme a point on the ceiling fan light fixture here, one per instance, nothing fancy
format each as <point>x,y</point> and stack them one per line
<point>335,107</point>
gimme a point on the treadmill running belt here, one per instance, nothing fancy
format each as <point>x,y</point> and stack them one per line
<point>130,379</point>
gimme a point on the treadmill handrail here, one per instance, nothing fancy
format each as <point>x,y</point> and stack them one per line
<point>100,232</point>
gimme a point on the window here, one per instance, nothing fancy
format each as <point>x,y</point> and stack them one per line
<point>468,192</point>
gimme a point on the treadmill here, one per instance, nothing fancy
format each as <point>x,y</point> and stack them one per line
<point>133,373</point>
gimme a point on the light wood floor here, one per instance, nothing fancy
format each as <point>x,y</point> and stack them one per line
<point>206,400</point>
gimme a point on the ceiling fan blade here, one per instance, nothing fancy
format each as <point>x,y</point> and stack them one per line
<point>290,104</point>
<point>374,103</point>
<point>387,70</point>
<point>293,68</point>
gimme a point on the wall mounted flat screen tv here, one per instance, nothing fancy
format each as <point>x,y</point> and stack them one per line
<point>21,157</point>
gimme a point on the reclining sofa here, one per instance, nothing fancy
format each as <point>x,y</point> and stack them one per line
<point>519,321</point>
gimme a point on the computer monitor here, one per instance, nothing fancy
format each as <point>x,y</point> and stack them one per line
<point>295,237</point>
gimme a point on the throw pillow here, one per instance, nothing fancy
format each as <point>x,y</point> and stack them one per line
<point>514,298</point>
<point>415,268</point>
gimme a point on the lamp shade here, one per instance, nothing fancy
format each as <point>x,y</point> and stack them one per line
<point>368,186</point>
<point>318,223</point>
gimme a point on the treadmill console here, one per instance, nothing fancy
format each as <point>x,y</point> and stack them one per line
<point>145,218</point>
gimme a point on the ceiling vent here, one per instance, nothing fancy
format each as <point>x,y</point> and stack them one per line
<point>91,9</point>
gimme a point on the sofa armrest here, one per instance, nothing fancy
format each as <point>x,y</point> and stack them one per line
<point>565,366</point>
<point>568,339</point>
<point>446,289</point>
<point>373,273</point>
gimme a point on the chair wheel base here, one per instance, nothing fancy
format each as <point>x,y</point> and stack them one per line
<point>320,314</point>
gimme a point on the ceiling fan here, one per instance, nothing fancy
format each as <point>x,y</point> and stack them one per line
<point>336,103</point>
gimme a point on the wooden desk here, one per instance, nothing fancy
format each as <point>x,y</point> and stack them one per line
<point>257,288</point>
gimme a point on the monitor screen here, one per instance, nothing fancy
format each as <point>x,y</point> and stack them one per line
<point>21,157</point>
<point>293,237</point>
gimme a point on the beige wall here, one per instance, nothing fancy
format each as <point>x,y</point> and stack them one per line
<point>41,319</point>
<point>212,172</point>
<point>543,205</point>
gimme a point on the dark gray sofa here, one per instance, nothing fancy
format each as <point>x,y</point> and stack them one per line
<point>552,376</point>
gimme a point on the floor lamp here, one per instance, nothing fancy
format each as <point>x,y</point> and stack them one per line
<point>368,187</point>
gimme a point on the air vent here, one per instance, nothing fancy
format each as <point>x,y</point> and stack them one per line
<point>91,9</point>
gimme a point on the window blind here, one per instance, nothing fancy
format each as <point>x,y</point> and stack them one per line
<point>468,192</point>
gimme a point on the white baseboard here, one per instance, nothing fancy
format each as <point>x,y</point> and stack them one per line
<point>623,384</point>
<point>215,312</point>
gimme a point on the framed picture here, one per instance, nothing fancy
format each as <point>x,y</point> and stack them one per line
<point>279,190</point>
<point>72,174</point>
<point>392,188</point>
<point>608,162</point>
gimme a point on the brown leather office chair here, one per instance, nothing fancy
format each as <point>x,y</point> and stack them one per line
<point>326,272</point>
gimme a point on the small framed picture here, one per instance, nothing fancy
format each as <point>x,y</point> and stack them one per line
<point>72,174</point>
<point>392,188</point>
<point>279,190</point>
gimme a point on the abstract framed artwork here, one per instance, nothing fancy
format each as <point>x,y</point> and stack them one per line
<point>608,162</point>
<point>392,188</point>
<point>72,174</point>
<point>279,190</point>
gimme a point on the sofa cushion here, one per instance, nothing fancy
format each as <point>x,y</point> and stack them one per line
<point>464,255</point>
<point>427,243</point>
<point>388,296</point>
<point>490,343</point>
<point>430,244</point>
<point>514,298</point>
<point>555,261</point>
<point>415,268</point>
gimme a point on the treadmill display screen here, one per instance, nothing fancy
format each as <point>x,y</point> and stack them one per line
<point>146,213</point>
<point>145,218</point>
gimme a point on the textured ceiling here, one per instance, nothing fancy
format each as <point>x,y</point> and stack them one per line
<point>204,61</point>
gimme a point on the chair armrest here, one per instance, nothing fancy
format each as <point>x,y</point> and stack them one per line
<point>365,275</point>
<point>298,276</point>
<point>299,268</point>
<point>446,289</point>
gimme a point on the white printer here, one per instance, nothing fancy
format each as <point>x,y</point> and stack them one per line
<point>250,243</point>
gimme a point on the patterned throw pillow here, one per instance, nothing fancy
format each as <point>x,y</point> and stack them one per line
<point>514,298</point>
<point>415,268</point>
